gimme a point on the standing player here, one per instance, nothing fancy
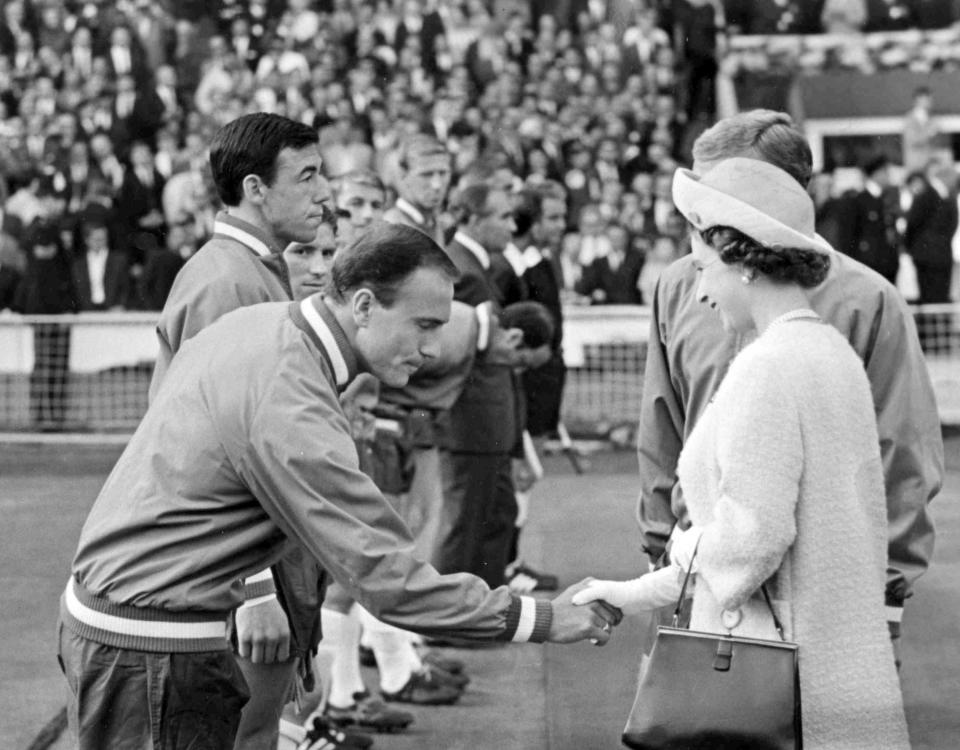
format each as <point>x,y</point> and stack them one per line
<point>478,492</point>
<point>424,180</point>
<point>267,170</point>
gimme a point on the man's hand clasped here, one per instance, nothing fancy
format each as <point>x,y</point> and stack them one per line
<point>263,633</point>
<point>572,622</point>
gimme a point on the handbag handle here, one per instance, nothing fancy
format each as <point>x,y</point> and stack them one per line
<point>683,594</point>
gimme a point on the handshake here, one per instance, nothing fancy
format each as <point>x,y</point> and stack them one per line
<point>591,608</point>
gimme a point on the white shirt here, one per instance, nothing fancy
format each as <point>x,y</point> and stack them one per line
<point>515,258</point>
<point>121,59</point>
<point>96,270</point>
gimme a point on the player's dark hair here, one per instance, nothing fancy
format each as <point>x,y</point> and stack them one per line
<point>533,319</point>
<point>250,145</point>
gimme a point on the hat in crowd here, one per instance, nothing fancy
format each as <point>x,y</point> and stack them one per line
<point>754,197</point>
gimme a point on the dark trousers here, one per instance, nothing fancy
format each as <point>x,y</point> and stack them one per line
<point>128,700</point>
<point>934,328</point>
<point>543,390</point>
<point>48,381</point>
<point>479,513</point>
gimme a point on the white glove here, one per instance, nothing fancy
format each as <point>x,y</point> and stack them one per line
<point>682,547</point>
<point>648,592</point>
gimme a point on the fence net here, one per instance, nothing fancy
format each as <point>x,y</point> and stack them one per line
<point>90,373</point>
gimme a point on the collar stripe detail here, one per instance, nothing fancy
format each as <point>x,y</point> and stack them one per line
<point>410,210</point>
<point>478,250</point>
<point>236,233</point>
<point>340,369</point>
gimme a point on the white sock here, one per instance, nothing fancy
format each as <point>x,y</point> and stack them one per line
<point>341,633</point>
<point>393,648</point>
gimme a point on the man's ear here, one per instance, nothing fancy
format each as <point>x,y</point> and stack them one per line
<point>253,188</point>
<point>361,305</point>
<point>513,337</point>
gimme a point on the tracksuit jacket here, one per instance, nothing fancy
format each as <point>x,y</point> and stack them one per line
<point>245,448</point>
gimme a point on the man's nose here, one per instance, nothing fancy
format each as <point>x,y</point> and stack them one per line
<point>430,345</point>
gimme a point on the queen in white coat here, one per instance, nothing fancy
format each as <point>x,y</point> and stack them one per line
<point>782,473</point>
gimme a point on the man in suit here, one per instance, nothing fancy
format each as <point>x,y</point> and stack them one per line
<point>101,274</point>
<point>478,492</point>
<point>540,217</point>
<point>140,200</point>
<point>612,279</point>
<point>868,231</point>
<point>931,224</point>
<point>124,55</point>
<point>137,113</point>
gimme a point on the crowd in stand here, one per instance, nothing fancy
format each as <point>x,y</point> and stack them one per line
<point>107,109</point>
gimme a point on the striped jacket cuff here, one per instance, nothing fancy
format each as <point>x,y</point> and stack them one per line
<point>528,620</point>
<point>259,585</point>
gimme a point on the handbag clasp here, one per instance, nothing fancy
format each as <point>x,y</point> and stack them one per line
<point>724,657</point>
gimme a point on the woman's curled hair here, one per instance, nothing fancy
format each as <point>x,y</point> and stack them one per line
<point>808,268</point>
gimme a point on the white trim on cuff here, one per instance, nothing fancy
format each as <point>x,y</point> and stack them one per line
<point>528,618</point>
<point>483,330</point>
<point>257,600</point>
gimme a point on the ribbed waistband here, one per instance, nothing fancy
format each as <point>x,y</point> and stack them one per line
<point>141,628</point>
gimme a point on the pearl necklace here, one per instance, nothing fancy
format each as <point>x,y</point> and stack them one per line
<point>804,313</point>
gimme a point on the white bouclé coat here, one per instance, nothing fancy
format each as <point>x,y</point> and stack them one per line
<point>783,474</point>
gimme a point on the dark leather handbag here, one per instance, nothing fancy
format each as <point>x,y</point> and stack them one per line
<point>722,692</point>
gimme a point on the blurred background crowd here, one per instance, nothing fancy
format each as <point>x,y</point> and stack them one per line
<point>106,107</point>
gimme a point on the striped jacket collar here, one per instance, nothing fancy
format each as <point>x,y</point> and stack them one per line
<point>244,232</point>
<point>314,317</point>
<point>406,207</point>
<point>475,248</point>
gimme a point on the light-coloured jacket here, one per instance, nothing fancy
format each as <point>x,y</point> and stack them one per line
<point>237,267</point>
<point>244,450</point>
<point>688,357</point>
<point>782,474</point>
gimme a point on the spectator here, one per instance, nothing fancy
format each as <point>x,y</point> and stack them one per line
<point>612,279</point>
<point>164,263</point>
<point>931,224</point>
<point>140,201</point>
<point>920,131</point>
<point>11,264</point>
<point>868,230</point>
<point>101,273</point>
<point>47,289</point>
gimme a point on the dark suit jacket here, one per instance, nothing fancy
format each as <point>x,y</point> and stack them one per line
<point>9,282</point>
<point>868,233</point>
<point>136,200</point>
<point>543,387</point>
<point>931,223</point>
<point>143,122</point>
<point>510,287</point>
<point>620,285</point>
<point>484,418</point>
<point>116,282</point>
<point>543,285</point>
